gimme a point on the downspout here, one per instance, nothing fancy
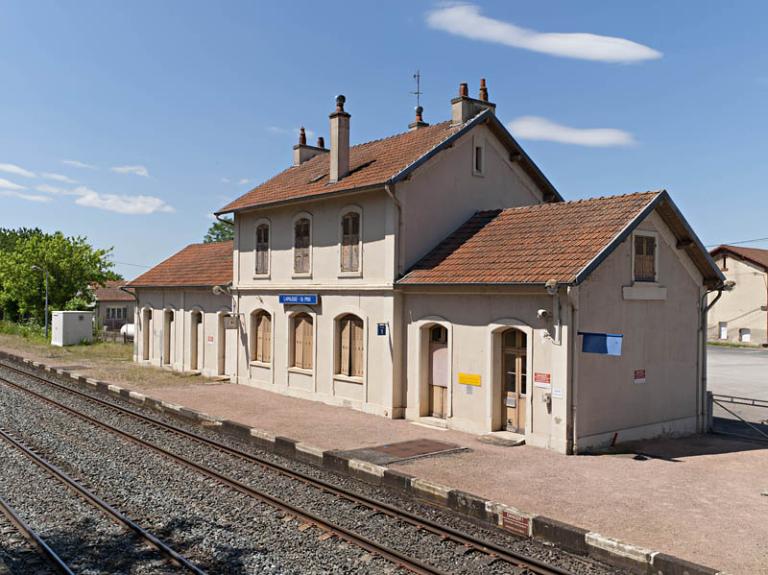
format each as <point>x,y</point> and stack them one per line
<point>573,389</point>
<point>390,189</point>
<point>136,313</point>
<point>701,395</point>
<point>401,402</point>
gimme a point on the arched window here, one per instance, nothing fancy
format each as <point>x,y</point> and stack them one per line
<point>350,242</point>
<point>261,337</point>
<point>351,352</point>
<point>303,336</point>
<point>301,247</point>
<point>262,249</point>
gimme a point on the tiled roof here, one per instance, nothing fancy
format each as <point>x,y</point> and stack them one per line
<point>531,244</point>
<point>112,292</point>
<point>197,265</point>
<point>754,255</point>
<point>370,164</point>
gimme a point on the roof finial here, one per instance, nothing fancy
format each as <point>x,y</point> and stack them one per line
<point>483,90</point>
<point>302,137</point>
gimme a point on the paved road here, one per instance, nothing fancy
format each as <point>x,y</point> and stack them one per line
<point>738,371</point>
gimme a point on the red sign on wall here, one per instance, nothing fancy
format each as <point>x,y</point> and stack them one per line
<point>210,339</point>
<point>542,380</point>
<point>639,376</point>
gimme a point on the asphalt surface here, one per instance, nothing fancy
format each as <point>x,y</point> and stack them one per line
<point>737,371</point>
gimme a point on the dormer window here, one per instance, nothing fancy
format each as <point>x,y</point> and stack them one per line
<point>350,242</point>
<point>302,230</point>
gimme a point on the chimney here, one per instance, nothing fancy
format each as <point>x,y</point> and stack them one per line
<point>464,108</point>
<point>419,121</point>
<point>339,141</point>
<point>302,152</point>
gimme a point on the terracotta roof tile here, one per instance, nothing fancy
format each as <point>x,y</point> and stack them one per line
<point>531,244</point>
<point>754,255</point>
<point>111,291</point>
<point>195,265</point>
<point>372,163</point>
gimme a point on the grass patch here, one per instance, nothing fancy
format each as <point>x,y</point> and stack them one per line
<point>29,331</point>
<point>723,343</point>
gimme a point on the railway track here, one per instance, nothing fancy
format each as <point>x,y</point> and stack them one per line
<point>494,552</point>
<point>76,486</point>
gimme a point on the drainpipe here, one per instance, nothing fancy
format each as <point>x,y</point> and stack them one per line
<point>701,395</point>
<point>554,291</point>
<point>573,390</point>
<point>390,189</point>
<point>136,313</point>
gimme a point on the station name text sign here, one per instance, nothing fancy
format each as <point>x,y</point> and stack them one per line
<point>298,299</point>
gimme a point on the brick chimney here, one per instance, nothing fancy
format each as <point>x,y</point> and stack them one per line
<point>339,141</point>
<point>302,152</point>
<point>464,108</point>
<point>419,121</point>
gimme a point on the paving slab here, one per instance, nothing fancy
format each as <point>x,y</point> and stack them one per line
<point>699,498</point>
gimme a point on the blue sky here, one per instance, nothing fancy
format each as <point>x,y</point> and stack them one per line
<point>129,122</point>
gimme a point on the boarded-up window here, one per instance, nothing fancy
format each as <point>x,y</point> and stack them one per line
<point>261,333</point>
<point>350,242</point>
<point>302,341</point>
<point>351,346</point>
<point>301,235</point>
<point>262,249</point>
<point>645,258</point>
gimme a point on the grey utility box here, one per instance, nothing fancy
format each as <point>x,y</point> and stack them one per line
<point>71,327</point>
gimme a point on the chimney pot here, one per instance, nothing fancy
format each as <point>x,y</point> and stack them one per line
<point>302,137</point>
<point>419,121</point>
<point>339,156</point>
<point>320,142</point>
<point>463,90</point>
<point>340,99</point>
<point>483,90</point>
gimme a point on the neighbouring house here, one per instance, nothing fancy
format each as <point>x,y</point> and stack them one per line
<point>741,314</point>
<point>114,307</point>
<point>437,275</point>
<point>184,310</point>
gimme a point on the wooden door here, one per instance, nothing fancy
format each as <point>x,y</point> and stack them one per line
<point>515,384</point>
<point>439,371</point>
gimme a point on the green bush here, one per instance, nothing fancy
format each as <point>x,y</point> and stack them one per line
<point>29,330</point>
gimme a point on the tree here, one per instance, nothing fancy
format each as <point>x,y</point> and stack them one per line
<point>220,231</point>
<point>73,266</point>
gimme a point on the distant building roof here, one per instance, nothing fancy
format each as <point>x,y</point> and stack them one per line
<point>756,256</point>
<point>562,241</point>
<point>376,163</point>
<point>197,265</point>
<point>111,291</point>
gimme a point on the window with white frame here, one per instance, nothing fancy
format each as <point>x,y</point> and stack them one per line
<point>302,233</point>
<point>303,340</point>
<point>645,257</point>
<point>261,337</point>
<point>117,313</point>
<point>350,242</point>
<point>351,348</point>
<point>262,249</point>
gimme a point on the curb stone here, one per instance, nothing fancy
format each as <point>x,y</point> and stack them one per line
<point>488,513</point>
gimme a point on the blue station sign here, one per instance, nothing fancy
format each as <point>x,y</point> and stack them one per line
<point>298,299</point>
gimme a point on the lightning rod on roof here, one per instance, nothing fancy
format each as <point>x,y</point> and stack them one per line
<point>418,92</point>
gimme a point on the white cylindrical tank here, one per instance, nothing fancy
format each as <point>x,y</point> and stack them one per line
<point>71,327</point>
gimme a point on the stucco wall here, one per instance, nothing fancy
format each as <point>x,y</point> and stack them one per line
<point>183,302</point>
<point>376,392</point>
<point>660,336</point>
<point>474,322</point>
<point>444,192</point>
<point>741,307</point>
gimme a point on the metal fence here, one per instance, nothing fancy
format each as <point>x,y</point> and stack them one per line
<point>744,417</point>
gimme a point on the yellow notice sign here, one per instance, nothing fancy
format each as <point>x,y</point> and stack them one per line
<point>469,379</point>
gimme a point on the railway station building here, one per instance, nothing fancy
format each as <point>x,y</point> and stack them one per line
<point>437,275</point>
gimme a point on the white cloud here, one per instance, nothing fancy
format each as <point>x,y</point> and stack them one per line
<point>9,185</point>
<point>16,171</point>
<point>243,181</point>
<point>121,204</point>
<point>58,178</point>
<point>537,128</point>
<point>28,197</point>
<point>225,180</point>
<point>294,131</point>
<point>78,164</point>
<point>48,189</point>
<point>465,20</point>
<point>137,170</point>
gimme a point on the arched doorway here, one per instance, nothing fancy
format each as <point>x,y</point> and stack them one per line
<point>168,336</point>
<point>195,340</point>
<point>514,372</point>
<point>439,371</point>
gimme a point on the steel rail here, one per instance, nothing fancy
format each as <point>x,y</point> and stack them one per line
<point>444,532</point>
<point>102,505</point>
<point>51,557</point>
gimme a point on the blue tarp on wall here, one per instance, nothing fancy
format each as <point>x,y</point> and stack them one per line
<point>605,343</point>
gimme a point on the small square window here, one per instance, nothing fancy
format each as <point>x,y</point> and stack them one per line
<point>645,258</point>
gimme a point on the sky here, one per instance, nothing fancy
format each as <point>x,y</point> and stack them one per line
<point>131,122</point>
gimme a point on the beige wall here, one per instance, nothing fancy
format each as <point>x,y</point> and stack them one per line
<point>101,311</point>
<point>660,336</point>
<point>741,307</point>
<point>475,321</point>
<point>445,192</point>
<point>182,302</point>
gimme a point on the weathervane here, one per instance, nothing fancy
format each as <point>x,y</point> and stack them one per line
<point>418,92</point>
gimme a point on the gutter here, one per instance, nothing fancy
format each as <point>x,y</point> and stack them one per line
<point>702,390</point>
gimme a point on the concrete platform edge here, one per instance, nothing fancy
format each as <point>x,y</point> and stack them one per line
<point>486,512</point>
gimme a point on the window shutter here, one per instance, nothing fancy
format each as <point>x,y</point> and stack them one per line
<point>298,342</point>
<point>344,347</point>
<point>307,343</point>
<point>266,322</point>
<point>357,348</point>
<point>259,355</point>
